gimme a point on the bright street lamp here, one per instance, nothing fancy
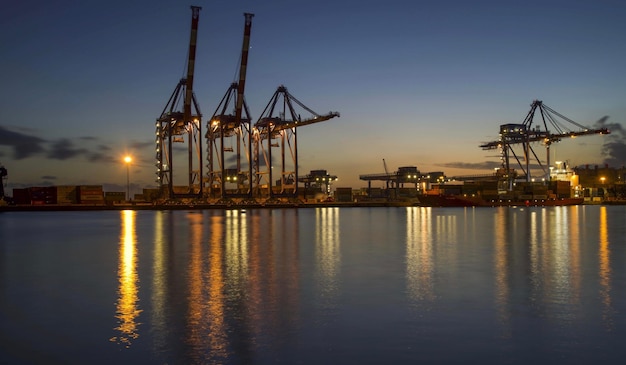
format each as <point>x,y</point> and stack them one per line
<point>128,160</point>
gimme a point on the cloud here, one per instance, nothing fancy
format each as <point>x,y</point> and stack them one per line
<point>485,165</point>
<point>142,145</point>
<point>102,154</point>
<point>63,149</point>
<point>614,147</point>
<point>23,145</point>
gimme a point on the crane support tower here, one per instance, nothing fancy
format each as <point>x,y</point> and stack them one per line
<point>227,133</point>
<point>174,126</point>
<point>552,127</point>
<point>277,127</point>
<point>3,177</point>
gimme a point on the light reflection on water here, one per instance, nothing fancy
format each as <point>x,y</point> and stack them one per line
<point>127,307</point>
<point>328,253</point>
<point>328,285</point>
<point>419,258</point>
<point>605,270</point>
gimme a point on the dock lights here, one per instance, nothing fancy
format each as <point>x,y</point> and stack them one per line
<point>128,160</point>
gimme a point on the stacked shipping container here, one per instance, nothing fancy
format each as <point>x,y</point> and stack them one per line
<point>90,194</point>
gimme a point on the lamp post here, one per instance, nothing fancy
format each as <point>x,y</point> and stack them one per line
<point>128,160</point>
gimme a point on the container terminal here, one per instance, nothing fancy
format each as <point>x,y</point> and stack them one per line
<point>256,164</point>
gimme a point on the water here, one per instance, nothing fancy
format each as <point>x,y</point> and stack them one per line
<point>314,286</point>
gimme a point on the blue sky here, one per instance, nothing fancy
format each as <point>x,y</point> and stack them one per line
<point>417,83</point>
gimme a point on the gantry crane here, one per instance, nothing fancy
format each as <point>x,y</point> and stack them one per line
<point>525,134</point>
<point>277,127</point>
<point>223,129</point>
<point>174,126</point>
<point>3,177</point>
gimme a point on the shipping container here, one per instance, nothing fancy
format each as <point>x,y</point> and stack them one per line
<point>43,195</point>
<point>343,194</point>
<point>67,194</point>
<point>21,196</point>
<point>407,192</point>
<point>151,194</point>
<point>376,193</point>
<point>111,197</point>
<point>490,194</point>
<point>90,194</point>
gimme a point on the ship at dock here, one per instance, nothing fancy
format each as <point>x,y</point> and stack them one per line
<point>499,201</point>
<point>561,189</point>
<point>464,201</point>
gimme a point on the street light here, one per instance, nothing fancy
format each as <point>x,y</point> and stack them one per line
<point>128,160</point>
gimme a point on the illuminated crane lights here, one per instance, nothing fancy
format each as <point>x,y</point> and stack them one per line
<point>233,144</point>
<point>277,127</point>
<point>174,126</point>
<point>231,133</point>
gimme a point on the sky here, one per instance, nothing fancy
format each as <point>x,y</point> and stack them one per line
<point>417,83</point>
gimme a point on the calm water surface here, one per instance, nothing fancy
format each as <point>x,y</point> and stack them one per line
<point>315,286</point>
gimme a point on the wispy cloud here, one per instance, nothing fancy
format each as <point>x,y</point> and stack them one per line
<point>485,165</point>
<point>64,149</point>
<point>23,145</point>
<point>614,147</point>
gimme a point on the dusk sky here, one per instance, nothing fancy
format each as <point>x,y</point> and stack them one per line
<point>417,83</point>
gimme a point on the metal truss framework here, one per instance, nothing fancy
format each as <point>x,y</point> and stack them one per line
<point>174,126</point>
<point>555,127</point>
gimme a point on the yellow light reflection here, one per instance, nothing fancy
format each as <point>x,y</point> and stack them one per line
<point>127,303</point>
<point>236,245</point>
<point>197,278</point>
<point>218,338</point>
<point>605,268</point>
<point>419,254</point>
<point>561,283</point>
<point>159,280</point>
<point>574,224</point>
<point>327,248</point>
<point>501,262</point>
<point>536,267</point>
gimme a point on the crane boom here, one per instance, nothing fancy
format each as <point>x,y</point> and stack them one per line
<point>278,123</point>
<point>243,66</point>
<point>195,17</point>
<point>524,133</point>
<point>301,123</point>
<point>546,137</point>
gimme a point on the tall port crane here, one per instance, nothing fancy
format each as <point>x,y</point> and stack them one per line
<point>175,126</point>
<point>3,178</point>
<point>232,133</point>
<point>555,127</point>
<point>278,126</point>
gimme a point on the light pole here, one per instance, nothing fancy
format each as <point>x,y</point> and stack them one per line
<point>128,160</point>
